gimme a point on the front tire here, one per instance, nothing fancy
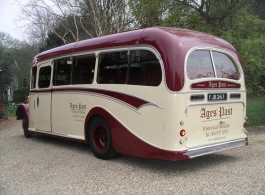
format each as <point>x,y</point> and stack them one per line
<point>27,134</point>
<point>100,139</point>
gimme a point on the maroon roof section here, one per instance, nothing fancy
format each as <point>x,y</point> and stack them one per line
<point>55,52</point>
<point>172,43</point>
<point>114,40</point>
<point>108,41</point>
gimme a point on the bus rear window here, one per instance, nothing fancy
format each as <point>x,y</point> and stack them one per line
<point>199,65</point>
<point>224,66</point>
<point>210,64</point>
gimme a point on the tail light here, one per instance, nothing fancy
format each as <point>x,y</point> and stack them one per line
<point>182,132</point>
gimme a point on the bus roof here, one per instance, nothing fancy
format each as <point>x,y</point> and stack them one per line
<point>172,44</point>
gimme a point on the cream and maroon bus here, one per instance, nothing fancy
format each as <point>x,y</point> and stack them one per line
<point>162,93</point>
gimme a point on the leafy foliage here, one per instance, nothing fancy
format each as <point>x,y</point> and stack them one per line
<point>247,35</point>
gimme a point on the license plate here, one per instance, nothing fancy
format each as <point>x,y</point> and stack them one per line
<point>217,96</point>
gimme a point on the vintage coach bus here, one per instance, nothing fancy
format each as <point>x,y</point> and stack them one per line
<point>158,92</point>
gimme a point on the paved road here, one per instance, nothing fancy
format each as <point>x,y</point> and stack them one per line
<point>43,165</point>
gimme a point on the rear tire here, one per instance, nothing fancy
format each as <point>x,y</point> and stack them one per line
<point>100,139</point>
<point>27,134</point>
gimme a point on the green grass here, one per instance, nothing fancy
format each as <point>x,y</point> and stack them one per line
<point>256,111</point>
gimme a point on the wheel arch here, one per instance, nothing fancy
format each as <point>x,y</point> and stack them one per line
<point>21,110</point>
<point>92,114</point>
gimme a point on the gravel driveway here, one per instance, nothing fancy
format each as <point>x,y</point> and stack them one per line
<point>44,165</point>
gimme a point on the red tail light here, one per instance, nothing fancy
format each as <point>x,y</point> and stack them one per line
<point>182,132</point>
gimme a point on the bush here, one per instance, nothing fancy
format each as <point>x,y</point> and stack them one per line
<point>11,109</point>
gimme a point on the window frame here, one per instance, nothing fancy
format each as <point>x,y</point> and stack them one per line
<point>39,75</point>
<point>129,51</point>
<point>75,64</point>
<point>210,50</point>
<point>55,69</point>
<point>33,83</point>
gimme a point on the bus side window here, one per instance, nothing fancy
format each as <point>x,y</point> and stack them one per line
<point>112,67</point>
<point>83,69</point>
<point>44,77</point>
<point>145,69</point>
<point>33,77</point>
<point>62,72</point>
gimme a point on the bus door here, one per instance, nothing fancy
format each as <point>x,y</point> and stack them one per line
<point>43,98</point>
<point>60,95</point>
<point>33,98</point>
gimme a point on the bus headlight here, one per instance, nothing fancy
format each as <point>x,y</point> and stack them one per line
<point>27,99</point>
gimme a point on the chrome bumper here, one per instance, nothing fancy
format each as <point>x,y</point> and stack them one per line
<point>203,150</point>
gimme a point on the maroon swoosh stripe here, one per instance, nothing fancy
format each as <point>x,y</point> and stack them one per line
<point>126,98</point>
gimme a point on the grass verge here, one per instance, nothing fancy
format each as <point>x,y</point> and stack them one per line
<point>256,111</point>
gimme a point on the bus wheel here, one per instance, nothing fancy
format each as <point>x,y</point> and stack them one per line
<point>100,139</point>
<point>27,134</point>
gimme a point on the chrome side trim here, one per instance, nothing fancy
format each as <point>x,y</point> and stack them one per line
<point>203,150</point>
<point>58,134</point>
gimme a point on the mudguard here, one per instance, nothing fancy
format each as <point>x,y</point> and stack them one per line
<point>22,109</point>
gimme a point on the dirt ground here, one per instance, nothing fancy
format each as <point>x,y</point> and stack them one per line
<point>9,122</point>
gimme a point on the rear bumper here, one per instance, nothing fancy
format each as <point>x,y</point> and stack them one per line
<point>203,150</point>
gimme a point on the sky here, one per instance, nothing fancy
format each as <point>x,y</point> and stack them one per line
<point>8,15</point>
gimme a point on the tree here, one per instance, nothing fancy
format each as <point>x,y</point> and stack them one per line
<point>15,62</point>
<point>51,41</point>
<point>104,16</point>
<point>23,55</point>
<point>38,21</point>
<point>247,35</point>
<point>73,20</point>
<point>7,63</point>
<point>257,8</point>
<point>149,12</point>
